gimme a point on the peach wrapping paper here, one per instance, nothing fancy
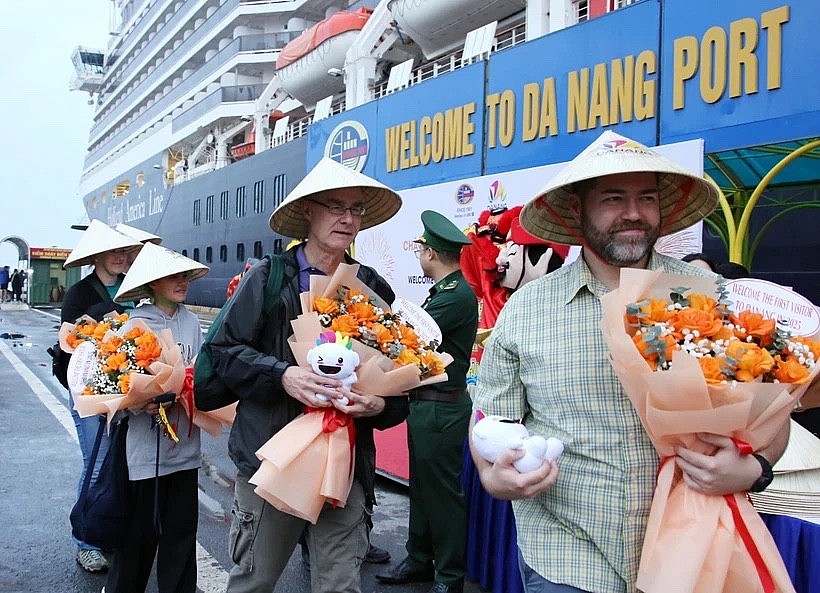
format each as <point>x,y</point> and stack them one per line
<point>167,373</point>
<point>302,466</point>
<point>692,543</point>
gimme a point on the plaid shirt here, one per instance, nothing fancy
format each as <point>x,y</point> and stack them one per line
<point>546,362</point>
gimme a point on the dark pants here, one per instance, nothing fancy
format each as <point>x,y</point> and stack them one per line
<point>174,548</point>
<point>438,514</point>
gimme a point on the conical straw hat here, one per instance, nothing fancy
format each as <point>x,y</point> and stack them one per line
<point>685,197</point>
<point>802,453</point>
<point>98,238</point>
<point>152,263</point>
<point>138,234</point>
<point>380,202</point>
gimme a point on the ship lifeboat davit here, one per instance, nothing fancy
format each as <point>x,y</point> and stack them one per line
<point>303,64</point>
<point>440,26</point>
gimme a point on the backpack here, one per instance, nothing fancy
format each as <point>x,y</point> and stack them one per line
<point>102,514</point>
<point>210,391</point>
<point>59,363</point>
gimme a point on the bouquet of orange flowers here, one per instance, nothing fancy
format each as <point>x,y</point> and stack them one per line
<point>690,365</point>
<point>88,330</point>
<point>124,369</point>
<point>310,461</point>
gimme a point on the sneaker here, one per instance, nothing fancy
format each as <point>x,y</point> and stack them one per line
<point>92,560</point>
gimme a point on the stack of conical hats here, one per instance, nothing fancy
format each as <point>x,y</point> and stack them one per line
<point>795,489</point>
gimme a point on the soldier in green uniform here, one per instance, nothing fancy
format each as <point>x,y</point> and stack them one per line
<point>438,421</point>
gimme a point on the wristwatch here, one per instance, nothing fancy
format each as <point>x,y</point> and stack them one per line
<point>765,478</point>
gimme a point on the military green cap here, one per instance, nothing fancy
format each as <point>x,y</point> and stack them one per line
<point>440,233</point>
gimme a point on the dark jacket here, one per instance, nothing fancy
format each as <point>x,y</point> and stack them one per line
<point>250,353</point>
<point>86,298</point>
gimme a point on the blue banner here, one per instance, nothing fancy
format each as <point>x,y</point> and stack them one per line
<point>549,98</point>
<point>745,74</point>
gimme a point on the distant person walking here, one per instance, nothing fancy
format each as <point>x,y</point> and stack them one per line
<point>4,284</point>
<point>17,279</point>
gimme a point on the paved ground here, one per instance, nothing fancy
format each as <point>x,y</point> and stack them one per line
<point>41,463</point>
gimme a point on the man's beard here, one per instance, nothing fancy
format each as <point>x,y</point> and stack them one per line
<point>615,250</point>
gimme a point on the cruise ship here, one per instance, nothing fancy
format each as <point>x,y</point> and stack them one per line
<point>208,112</point>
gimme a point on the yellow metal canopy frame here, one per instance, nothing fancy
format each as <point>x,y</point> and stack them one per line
<point>734,178</point>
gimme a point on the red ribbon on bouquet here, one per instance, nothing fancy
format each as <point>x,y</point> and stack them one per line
<point>762,571</point>
<point>187,394</point>
<point>333,420</point>
<point>746,537</point>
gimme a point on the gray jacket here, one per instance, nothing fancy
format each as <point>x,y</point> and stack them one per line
<point>141,445</point>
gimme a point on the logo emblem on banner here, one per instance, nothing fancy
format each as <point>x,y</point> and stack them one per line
<point>464,194</point>
<point>349,145</point>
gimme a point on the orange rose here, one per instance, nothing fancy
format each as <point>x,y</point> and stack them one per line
<point>407,356</point>
<point>654,311</point>
<point>133,333</point>
<point>325,306</point>
<point>115,362</point>
<point>346,324</point>
<point>751,361</point>
<point>706,323</point>
<point>100,330</point>
<point>124,382</point>
<point>701,302</point>
<point>651,358</point>
<point>755,325</point>
<point>362,311</point>
<point>432,362</point>
<point>409,337</point>
<point>109,347</point>
<point>712,369</point>
<point>790,371</point>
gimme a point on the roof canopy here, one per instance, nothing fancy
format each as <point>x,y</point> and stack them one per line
<point>744,168</point>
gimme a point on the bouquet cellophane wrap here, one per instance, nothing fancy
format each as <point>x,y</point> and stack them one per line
<point>166,374</point>
<point>211,422</point>
<point>310,461</point>
<point>696,543</point>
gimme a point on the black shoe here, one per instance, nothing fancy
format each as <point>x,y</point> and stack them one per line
<point>376,555</point>
<point>404,573</point>
<point>442,588</point>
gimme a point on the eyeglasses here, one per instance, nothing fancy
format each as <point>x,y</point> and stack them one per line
<point>419,251</point>
<point>338,210</point>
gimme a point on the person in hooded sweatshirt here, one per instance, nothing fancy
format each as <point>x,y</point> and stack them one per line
<point>169,535</point>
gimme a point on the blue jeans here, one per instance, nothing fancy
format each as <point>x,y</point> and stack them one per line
<point>86,434</point>
<point>535,583</point>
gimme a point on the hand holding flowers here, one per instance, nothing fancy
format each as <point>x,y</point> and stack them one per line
<point>125,369</point>
<point>691,368</point>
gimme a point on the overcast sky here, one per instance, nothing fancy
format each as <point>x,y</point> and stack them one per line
<point>46,126</point>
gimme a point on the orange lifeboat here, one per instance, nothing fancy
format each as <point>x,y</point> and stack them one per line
<point>303,64</point>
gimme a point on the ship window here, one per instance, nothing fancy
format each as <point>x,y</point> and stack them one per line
<point>279,190</point>
<point>581,10</point>
<point>185,252</point>
<point>209,255</point>
<point>240,201</point>
<point>223,205</point>
<point>209,209</point>
<point>277,246</point>
<point>257,249</point>
<point>122,189</point>
<point>258,197</point>
<point>140,179</point>
<point>240,252</point>
<point>197,212</point>
<point>223,253</point>
<point>196,253</point>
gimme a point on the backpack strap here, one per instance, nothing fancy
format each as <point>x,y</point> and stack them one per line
<point>95,281</point>
<point>274,284</point>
